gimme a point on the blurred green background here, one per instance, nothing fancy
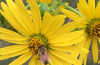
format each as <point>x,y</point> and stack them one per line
<point>72,3</point>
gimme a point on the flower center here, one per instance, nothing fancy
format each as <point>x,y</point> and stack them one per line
<point>93,28</point>
<point>38,44</point>
<point>34,45</point>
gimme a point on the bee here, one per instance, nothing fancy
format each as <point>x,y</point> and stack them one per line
<point>44,57</point>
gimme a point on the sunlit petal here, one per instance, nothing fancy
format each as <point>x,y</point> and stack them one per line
<point>22,59</point>
<point>95,50</point>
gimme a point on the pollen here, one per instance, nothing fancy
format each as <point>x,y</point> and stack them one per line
<point>95,29</point>
<point>34,44</point>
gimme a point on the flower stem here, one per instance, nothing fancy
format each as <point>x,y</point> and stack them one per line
<point>70,8</point>
<point>53,6</point>
<point>27,6</point>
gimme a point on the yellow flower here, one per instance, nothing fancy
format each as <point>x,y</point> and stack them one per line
<point>91,26</point>
<point>40,41</point>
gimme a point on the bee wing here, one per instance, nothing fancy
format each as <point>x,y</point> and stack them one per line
<point>41,58</point>
<point>44,57</point>
<point>49,59</point>
<point>46,53</point>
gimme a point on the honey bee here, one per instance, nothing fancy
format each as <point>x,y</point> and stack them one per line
<point>44,57</point>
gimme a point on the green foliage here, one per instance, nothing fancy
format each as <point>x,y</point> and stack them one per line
<point>1,19</point>
<point>43,7</point>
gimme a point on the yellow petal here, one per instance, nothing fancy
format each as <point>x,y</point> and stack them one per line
<point>11,33</point>
<point>85,22</point>
<point>13,39</point>
<point>95,50</point>
<point>66,57</point>
<point>67,43</point>
<point>82,57</point>
<point>66,37</point>
<point>86,45</point>
<point>46,1</point>
<point>85,7</point>
<point>97,12</point>
<point>14,10</point>
<point>70,49</point>
<point>92,7</point>
<point>41,0</point>
<point>99,62</point>
<point>70,14</point>
<point>37,62</point>
<point>67,28</point>
<point>85,59</point>
<point>12,20</point>
<point>47,20</point>
<point>56,16</point>
<point>25,16</point>
<point>36,15</point>
<point>55,25</point>
<point>32,62</point>
<point>88,42</point>
<point>83,2</point>
<point>12,49</point>
<point>55,60</point>
<point>85,11</point>
<point>49,1</point>
<point>82,26</point>
<point>3,57</point>
<point>22,59</point>
<point>81,44</point>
